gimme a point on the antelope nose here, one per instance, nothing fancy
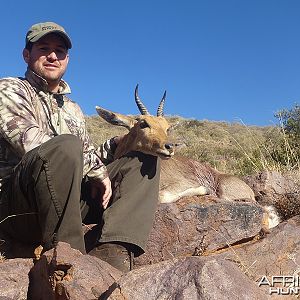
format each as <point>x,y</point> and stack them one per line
<point>169,146</point>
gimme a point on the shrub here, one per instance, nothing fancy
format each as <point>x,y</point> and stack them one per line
<point>287,149</point>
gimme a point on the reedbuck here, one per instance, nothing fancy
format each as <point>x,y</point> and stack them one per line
<point>179,176</point>
<point>148,134</point>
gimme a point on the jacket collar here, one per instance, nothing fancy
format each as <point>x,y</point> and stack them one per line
<point>41,84</point>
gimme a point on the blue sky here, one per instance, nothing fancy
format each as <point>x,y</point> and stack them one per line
<point>225,60</point>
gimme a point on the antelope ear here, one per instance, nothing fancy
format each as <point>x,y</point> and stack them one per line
<point>115,118</point>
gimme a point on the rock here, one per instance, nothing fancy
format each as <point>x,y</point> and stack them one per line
<point>65,273</point>
<point>277,254</point>
<point>281,191</point>
<point>187,278</point>
<point>189,227</point>
<point>267,185</point>
<point>14,278</point>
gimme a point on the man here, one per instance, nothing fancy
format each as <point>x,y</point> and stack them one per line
<point>52,178</point>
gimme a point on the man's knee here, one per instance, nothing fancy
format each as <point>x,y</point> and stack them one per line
<point>68,143</point>
<point>65,147</point>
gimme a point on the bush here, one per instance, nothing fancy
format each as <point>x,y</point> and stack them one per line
<point>287,149</point>
<point>290,121</point>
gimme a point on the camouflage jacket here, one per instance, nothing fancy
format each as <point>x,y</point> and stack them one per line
<point>30,116</point>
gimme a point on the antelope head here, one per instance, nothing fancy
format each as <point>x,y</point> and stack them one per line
<point>147,133</point>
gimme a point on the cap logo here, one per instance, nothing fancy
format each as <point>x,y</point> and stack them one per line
<point>48,27</point>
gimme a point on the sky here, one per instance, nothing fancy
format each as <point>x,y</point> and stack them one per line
<point>219,60</point>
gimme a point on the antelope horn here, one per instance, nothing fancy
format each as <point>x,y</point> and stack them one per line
<point>141,106</point>
<point>160,110</point>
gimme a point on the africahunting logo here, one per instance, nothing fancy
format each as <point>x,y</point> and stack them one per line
<point>281,285</point>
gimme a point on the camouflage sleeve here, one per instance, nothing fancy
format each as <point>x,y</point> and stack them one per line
<point>93,166</point>
<point>18,120</point>
<point>107,150</point>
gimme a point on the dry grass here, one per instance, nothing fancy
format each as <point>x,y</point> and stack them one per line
<point>100,130</point>
<point>230,147</point>
<point>2,257</point>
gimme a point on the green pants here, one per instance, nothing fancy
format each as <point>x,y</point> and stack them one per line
<point>51,200</point>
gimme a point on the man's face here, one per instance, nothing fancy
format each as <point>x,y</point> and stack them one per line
<point>48,58</point>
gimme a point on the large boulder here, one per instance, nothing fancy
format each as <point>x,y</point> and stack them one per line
<point>193,225</point>
<point>65,273</point>
<point>14,278</point>
<point>267,185</point>
<point>279,190</point>
<point>275,255</point>
<point>187,278</point>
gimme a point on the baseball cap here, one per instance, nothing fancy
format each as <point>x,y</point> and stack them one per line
<point>39,30</point>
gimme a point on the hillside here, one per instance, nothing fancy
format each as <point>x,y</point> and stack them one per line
<point>230,147</point>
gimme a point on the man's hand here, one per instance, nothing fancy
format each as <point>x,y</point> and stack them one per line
<point>101,189</point>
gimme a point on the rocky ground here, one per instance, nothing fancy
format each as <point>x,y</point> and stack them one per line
<point>200,247</point>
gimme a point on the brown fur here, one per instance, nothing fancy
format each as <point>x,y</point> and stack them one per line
<point>150,140</point>
<point>179,174</point>
<point>147,134</point>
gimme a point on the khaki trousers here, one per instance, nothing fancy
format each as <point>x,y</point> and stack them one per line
<point>49,200</point>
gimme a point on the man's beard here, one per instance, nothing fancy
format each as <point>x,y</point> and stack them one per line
<point>50,77</point>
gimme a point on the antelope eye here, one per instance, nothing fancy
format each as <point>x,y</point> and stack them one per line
<point>144,124</point>
<point>170,130</point>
